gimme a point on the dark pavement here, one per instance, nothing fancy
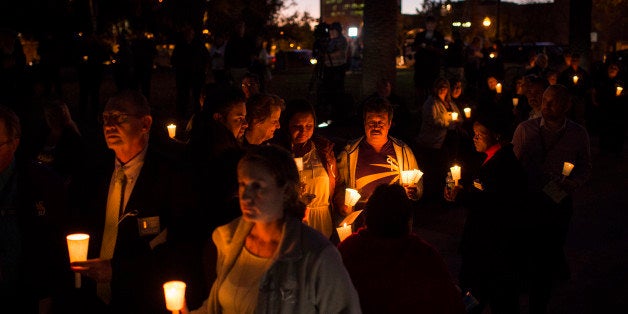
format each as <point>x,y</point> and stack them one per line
<point>597,244</point>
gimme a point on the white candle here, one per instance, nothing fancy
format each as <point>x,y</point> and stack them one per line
<point>174,291</point>
<point>78,244</point>
<point>172,130</point>
<point>455,173</point>
<point>351,197</point>
<point>619,90</point>
<point>454,116</point>
<point>410,176</point>
<point>498,88</point>
<point>575,79</point>
<point>299,162</point>
<point>515,101</point>
<point>567,167</point>
<point>344,232</point>
<point>467,112</point>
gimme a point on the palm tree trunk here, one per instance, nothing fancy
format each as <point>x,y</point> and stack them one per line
<point>380,42</point>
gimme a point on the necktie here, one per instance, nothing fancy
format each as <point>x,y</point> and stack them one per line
<point>115,208</point>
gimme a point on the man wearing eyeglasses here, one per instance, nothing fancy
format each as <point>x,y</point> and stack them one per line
<point>134,213</point>
<point>375,158</point>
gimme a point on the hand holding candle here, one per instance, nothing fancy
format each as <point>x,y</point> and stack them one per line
<point>618,90</point>
<point>454,116</point>
<point>498,88</point>
<point>78,244</point>
<point>172,130</point>
<point>174,291</point>
<point>575,79</point>
<point>467,112</point>
<point>299,162</point>
<point>409,177</point>
<point>351,197</point>
<point>567,167</point>
<point>515,102</point>
<point>344,231</point>
<point>455,174</point>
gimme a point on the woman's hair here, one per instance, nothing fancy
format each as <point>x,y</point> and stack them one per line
<point>388,211</point>
<point>279,163</point>
<point>258,107</point>
<point>295,106</point>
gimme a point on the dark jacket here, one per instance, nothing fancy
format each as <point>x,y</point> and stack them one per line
<point>494,198</point>
<point>142,263</point>
<point>34,261</point>
<point>399,275</point>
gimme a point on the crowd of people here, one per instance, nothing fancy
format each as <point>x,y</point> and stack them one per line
<point>244,206</point>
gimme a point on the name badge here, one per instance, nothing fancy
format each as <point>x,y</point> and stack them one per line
<point>148,225</point>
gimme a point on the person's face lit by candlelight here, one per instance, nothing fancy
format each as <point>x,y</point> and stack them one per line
<point>301,127</point>
<point>234,120</point>
<point>376,126</point>
<point>492,83</point>
<point>612,71</point>
<point>483,139</point>
<point>456,90</point>
<point>261,198</point>
<point>263,112</point>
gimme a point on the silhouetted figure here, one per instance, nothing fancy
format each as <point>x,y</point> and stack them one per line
<point>92,54</point>
<point>428,46</point>
<point>144,53</point>
<point>190,60</point>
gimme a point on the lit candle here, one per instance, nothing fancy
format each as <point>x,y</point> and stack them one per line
<point>619,90</point>
<point>454,116</point>
<point>172,130</point>
<point>299,162</point>
<point>174,292</point>
<point>455,173</point>
<point>467,112</point>
<point>77,248</point>
<point>575,79</point>
<point>351,197</point>
<point>567,167</point>
<point>515,101</point>
<point>409,177</point>
<point>344,232</point>
<point>498,88</point>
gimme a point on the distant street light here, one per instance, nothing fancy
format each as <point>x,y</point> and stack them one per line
<point>486,22</point>
<point>352,31</point>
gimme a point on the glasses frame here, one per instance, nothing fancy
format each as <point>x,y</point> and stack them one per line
<point>120,118</point>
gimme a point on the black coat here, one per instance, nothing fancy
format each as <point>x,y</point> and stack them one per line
<point>494,197</point>
<point>32,229</point>
<point>163,189</point>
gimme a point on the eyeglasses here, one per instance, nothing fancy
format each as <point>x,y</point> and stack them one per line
<point>116,118</point>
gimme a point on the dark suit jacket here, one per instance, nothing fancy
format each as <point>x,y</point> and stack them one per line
<point>33,233</point>
<point>165,191</point>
